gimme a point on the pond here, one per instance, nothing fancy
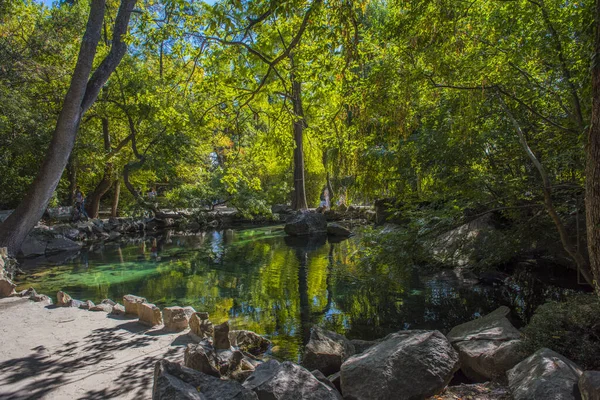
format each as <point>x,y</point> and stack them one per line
<point>279,286</point>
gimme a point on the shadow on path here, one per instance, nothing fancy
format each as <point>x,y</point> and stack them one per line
<point>44,370</point>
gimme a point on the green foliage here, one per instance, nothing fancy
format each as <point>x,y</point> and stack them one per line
<point>570,328</point>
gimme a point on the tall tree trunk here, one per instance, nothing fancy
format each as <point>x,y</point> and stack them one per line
<point>592,170</point>
<point>81,95</point>
<point>299,200</point>
<point>72,176</point>
<point>115,201</point>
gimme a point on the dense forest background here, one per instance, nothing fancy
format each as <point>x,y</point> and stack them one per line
<point>452,109</point>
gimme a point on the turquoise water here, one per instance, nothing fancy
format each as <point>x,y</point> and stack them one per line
<point>279,286</point>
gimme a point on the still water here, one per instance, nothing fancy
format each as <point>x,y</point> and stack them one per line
<point>279,286</point>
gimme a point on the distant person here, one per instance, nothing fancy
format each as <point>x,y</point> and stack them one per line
<point>152,194</point>
<point>80,204</point>
<point>326,196</point>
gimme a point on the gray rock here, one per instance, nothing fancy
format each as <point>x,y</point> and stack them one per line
<point>117,309</point>
<point>544,375</point>
<point>33,246</point>
<point>102,307</point>
<point>175,382</point>
<point>413,364</point>
<point>189,311</point>
<point>109,302</point>
<point>221,336</point>
<point>249,341</point>
<point>288,381</point>
<point>326,351</point>
<point>86,305</point>
<point>589,385</point>
<point>335,229</point>
<point>337,381</point>
<point>306,223</point>
<point>488,346</point>
<point>59,244</point>
<point>202,357</point>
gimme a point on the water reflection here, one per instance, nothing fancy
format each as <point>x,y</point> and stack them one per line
<point>280,286</point>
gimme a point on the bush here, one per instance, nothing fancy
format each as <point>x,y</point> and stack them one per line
<point>571,328</point>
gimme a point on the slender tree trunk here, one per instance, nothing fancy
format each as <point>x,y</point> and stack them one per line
<point>72,175</point>
<point>299,200</point>
<point>116,194</point>
<point>81,95</point>
<point>592,171</point>
<point>106,182</point>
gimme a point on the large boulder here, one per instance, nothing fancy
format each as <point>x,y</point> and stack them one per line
<point>326,351</point>
<point>488,346</point>
<point>544,375</point>
<point>288,381</point>
<point>249,341</point>
<point>306,223</point>
<point>405,365</point>
<point>131,303</point>
<point>175,382</point>
<point>175,318</point>
<point>59,244</point>
<point>149,314</point>
<point>589,385</point>
<point>335,229</point>
<point>33,246</point>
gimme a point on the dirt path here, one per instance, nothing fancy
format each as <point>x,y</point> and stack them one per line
<point>67,353</point>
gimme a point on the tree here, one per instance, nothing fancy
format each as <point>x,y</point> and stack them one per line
<point>81,95</point>
<point>592,186</point>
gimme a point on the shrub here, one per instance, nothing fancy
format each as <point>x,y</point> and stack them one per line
<point>571,328</point>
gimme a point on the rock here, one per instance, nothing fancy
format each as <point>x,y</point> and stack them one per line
<point>33,246</point>
<point>335,229</point>
<point>86,305</point>
<point>113,235</point>
<point>417,364</point>
<point>149,314</point>
<point>131,303</point>
<point>7,287</point>
<point>589,385</point>
<point>63,299</point>
<point>326,351</point>
<point>306,223</point>
<point>175,318</point>
<point>337,381</point>
<point>175,382</point>
<point>189,311</point>
<point>202,328</point>
<point>221,336</point>
<point>202,357</point>
<point>362,345</point>
<point>203,316</point>
<point>249,341</point>
<point>102,307</point>
<point>41,298</point>
<point>59,244</point>
<point>488,346</point>
<point>275,381</point>
<point>544,375</point>
<point>322,378</point>
<point>240,375</point>
<point>117,309</point>
<point>109,302</point>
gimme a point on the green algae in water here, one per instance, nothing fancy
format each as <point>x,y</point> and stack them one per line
<point>278,286</point>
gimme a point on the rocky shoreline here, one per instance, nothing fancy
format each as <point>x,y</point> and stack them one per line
<point>220,363</point>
